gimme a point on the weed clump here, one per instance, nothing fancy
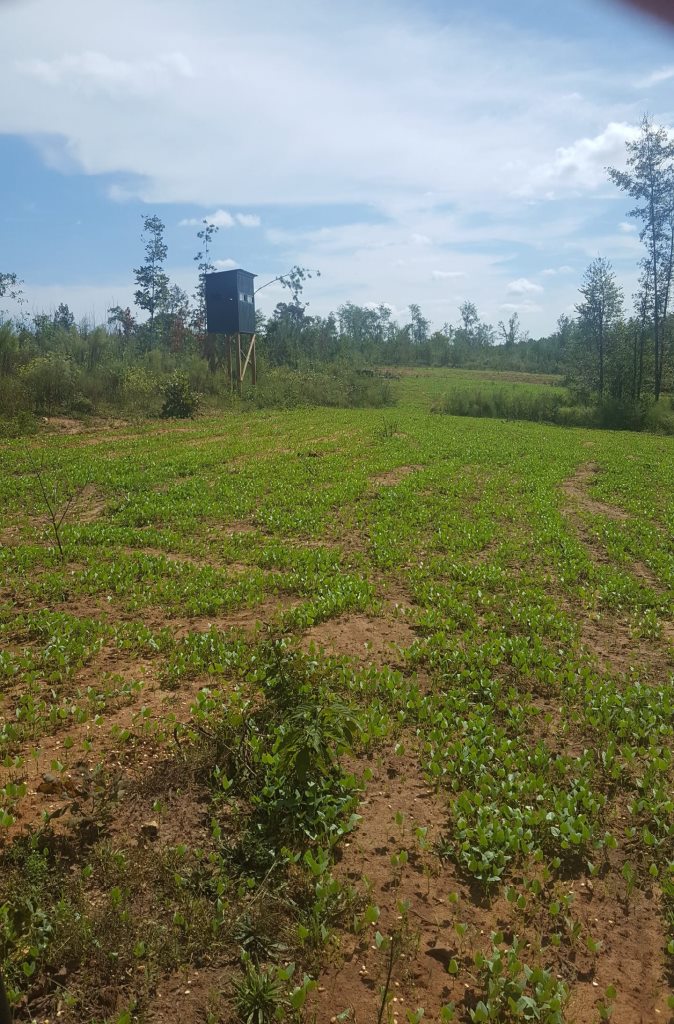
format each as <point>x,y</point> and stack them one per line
<point>180,400</point>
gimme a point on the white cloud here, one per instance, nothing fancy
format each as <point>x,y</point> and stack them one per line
<point>119,194</point>
<point>554,271</point>
<point>94,72</point>
<point>222,219</point>
<point>626,227</point>
<point>520,307</point>
<point>142,89</point>
<point>655,77</point>
<point>227,264</point>
<point>523,286</point>
<point>85,300</point>
<point>581,166</point>
<point>248,220</point>
<point>441,129</point>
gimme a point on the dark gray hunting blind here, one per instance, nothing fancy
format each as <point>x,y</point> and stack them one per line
<point>230,310</point>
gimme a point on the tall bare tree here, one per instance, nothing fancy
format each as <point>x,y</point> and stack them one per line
<point>512,332</point>
<point>205,266</point>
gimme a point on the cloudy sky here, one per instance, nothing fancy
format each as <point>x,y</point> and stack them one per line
<point>412,150</point>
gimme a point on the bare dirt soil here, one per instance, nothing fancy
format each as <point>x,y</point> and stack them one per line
<point>371,640</point>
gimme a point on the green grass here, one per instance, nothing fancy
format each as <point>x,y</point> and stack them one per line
<point>551,759</point>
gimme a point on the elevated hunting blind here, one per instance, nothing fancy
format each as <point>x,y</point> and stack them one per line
<point>230,302</point>
<point>230,310</point>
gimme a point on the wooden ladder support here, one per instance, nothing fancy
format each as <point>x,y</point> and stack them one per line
<point>251,352</point>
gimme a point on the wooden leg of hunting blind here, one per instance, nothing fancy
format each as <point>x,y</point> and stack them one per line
<point>251,352</point>
<point>254,364</point>
<point>238,363</point>
<point>228,342</point>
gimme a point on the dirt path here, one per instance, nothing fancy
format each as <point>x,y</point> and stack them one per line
<point>576,490</point>
<point>610,635</point>
<point>397,802</point>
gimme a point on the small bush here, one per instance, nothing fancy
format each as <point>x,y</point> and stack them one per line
<point>180,401</point>
<point>81,405</point>
<point>18,426</point>
<point>509,405</point>
<point>659,419</point>
<point>13,398</point>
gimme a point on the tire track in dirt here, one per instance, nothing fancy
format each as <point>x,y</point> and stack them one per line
<point>609,636</point>
<point>397,802</point>
<point>575,489</point>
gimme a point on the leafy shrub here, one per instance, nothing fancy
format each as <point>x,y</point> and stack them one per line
<point>49,382</point>
<point>18,426</point>
<point>13,398</point>
<point>9,348</point>
<point>617,414</point>
<point>510,405</point>
<point>180,401</point>
<point>658,418</point>
<point>81,405</point>
<point>140,391</point>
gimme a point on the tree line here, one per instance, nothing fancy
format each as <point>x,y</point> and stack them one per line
<point>604,351</point>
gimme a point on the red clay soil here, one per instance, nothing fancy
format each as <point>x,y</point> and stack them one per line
<point>630,932</point>
<point>394,476</point>
<point>357,969</point>
<point>189,996</point>
<point>609,637</point>
<point>631,958</point>
<point>370,640</point>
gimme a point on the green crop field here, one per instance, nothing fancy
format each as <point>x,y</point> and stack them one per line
<point>337,715</point>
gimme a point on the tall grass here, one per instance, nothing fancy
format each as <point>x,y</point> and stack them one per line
<point>555,406</point>
<point>337,387</point>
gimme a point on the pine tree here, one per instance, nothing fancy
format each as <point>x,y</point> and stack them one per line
<point>152,281</point>
<point>600,310</point>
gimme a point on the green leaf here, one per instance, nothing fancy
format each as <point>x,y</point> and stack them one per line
<point>371,914</point>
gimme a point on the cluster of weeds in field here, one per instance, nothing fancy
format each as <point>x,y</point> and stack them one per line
<point>267,752</point>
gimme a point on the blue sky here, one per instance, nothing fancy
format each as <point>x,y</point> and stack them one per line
<point>413,150</point>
